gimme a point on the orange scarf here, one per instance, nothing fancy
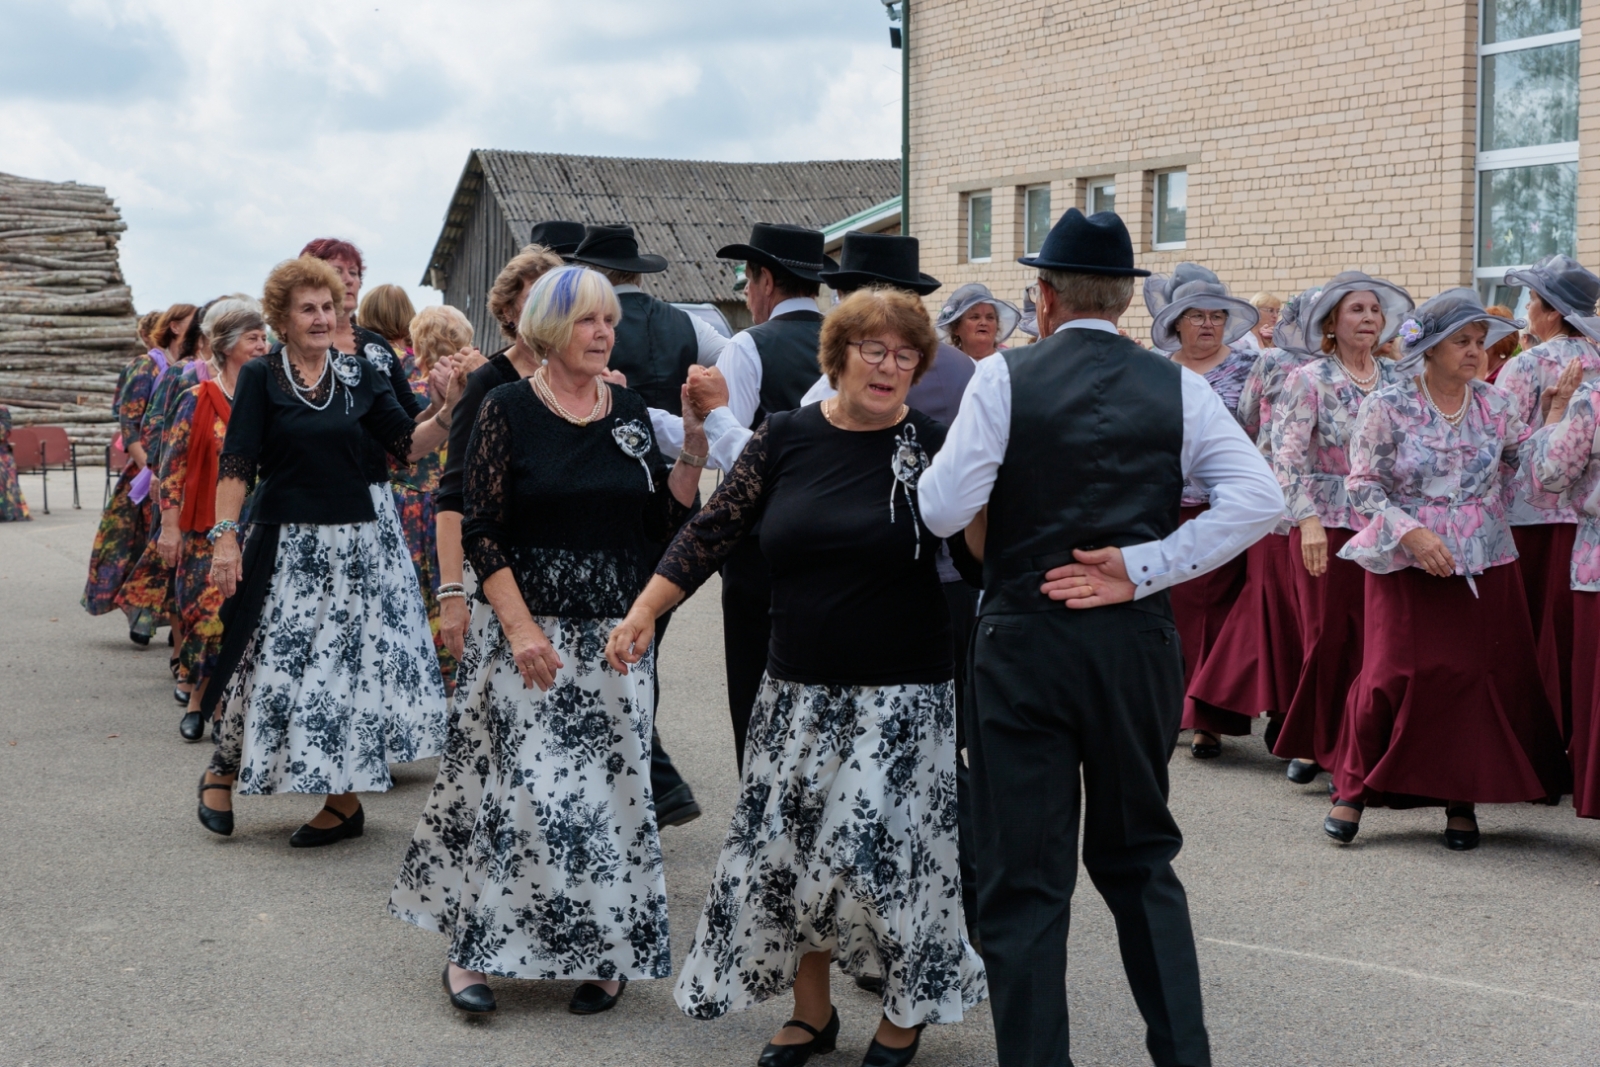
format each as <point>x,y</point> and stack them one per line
<point>199,512</point>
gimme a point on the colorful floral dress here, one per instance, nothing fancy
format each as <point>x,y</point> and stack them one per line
<point>12,507</point>
<point>414,486</point>
<point>1310,439</point>
<point>124,524</point>
<point>151,585</point>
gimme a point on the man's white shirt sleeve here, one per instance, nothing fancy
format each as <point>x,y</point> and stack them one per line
<point>710,342</point>
<point>958,483</point>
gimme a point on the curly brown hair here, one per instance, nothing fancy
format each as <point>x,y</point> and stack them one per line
<point>868,313</point>
<point>525,268</point>
<point>307,272</point>
<point>165,330</point>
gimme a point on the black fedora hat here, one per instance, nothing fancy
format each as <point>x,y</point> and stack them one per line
<point>615,248</point>
<point>779,245</point>
<point>1096,244</point>
<point>879,259</point>
<point>558,235</point>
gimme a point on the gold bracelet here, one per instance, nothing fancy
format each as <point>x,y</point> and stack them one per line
<point>693,460</point>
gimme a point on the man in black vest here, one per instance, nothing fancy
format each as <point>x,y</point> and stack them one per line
<point>1068,458</point>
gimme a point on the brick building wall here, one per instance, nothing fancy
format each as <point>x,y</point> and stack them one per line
<point>1317,136</point>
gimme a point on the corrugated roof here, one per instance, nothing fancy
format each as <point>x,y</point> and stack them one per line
<point>681,209</point>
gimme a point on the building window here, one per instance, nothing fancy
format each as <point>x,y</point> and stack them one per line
<point>980,211</point>
<point>1527,137</point>
<point>1101,195</point>
<point>1036,213</point>
<point>1171,209</point>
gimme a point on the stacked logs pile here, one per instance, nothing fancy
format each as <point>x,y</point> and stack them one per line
<point>67,324</point>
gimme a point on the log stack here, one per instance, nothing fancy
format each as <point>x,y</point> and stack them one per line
<point>67,324</point>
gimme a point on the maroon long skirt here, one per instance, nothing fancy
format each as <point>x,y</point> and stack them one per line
<point>1585,745</point>
<point>1201,605</point>
<point>1330,635</point>
<point>1255,664</point>
<point>1545,559</point>
<point>1438,715</point>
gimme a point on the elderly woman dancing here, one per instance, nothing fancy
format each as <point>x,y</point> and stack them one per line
<point>1195,320</point>
<point>559,874</point>
<point>1435,717</point>
<point>843,843</point>
<point>975,321</point>
<point>1350,318</point>
<point>327,673</point>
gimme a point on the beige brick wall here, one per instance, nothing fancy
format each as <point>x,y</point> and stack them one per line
<point>1319,136</point>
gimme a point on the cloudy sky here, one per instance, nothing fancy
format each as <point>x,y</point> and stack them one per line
<point>231,132</point>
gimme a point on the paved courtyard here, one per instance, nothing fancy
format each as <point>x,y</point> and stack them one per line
<point>129,935</point>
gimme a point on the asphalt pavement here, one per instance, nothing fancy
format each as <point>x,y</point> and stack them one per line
<point>130,935</point>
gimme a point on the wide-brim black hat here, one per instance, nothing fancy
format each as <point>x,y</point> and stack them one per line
<point>616,248</point>
<point>558,235</point>
<point>779,246</point>
<point>1093,244</point>
<point>879,259</point>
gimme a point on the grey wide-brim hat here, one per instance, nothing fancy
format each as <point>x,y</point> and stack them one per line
<point>1030,317</point>
<point>969,296</point>
<point>1440,317</point>
<point>1191,287</point>
<point>1567,286</point>
<point>1395,301</point>
<point>1289,334</point>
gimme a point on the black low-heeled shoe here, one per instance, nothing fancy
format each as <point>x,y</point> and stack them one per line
<point>1270,736</point>
<point>180,696</point>
<point>1199,751</point>
<point>309,836</point>
<point>822,1042</point>
<point>142,640</point>
<point>870,983</point>
<point>192,727</point>
<point>218,822</point>
<point>1461,840</point>
<point>884,1056</point>
<point>1342,830</point>
<point>590,999</point>
<point>676,806</point>
<point>1303,771</point>
<point>477,999</point>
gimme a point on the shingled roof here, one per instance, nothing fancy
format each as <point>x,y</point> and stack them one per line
<point>681,209</point>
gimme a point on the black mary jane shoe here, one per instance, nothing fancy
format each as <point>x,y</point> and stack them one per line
<point>476,999</point>
<point>676,806</point>
<point>1342,830</point>
<point>1303,771</point>
<point>309,836</point>
<point>192,727</point>
<point>822,1042</point>
<point>1199,751</point>
<point>884,1056</point>
<point>590,999</point>
<point>218,822</point>
<point>1461,840</point>
<point>870,983</point>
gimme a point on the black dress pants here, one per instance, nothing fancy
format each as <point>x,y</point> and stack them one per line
<point>664,777</point>
<point>962,600</point>
<point>1062,694</point>
<point>746,633</point>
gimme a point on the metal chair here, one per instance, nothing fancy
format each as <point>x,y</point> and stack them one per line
<point>57,452</point>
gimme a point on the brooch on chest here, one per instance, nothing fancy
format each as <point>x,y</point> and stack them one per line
<point>378,356</point>
<point>907,464</point>
<point>634,440</point>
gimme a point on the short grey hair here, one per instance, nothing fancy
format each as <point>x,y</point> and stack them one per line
<point>1090,294</point>
<point>228,328</point>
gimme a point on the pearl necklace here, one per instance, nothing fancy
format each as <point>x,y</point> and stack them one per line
<point>831,406</point>
<point>1461,412</point>
<point>541,385</point>
<point>1363,384</point>
<point>302,393</point>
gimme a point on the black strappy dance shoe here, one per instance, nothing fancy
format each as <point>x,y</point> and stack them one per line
<point>218,822</point>
<point>1461,840</point>
<point>309,836</point>
<point>1199,751</point>
<point>1342,830</point>
<point>822,1042</point>
<point>1303,771</point>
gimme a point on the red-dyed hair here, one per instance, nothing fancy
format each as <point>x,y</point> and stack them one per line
<point>329,249</point>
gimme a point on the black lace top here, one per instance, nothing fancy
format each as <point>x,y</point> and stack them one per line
<point>579,513</point>
<point>856,598</point>
<point>312,463</point>
<point>378,352</point>
<point>498,371</point>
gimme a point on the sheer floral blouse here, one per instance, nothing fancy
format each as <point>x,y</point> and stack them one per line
<point>1409,468</point>
<point>1564,458</point>
<point>1311,431</point>
<point>1227,381</point>
<point>578,513</point>
<point>1526,377</point>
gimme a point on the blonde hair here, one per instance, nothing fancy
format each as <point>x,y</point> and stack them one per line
<point>437,332</point>
<point>528,265</point>
<point>866,312</point>
<point>386,310</point>
<point>307,272</point>
<point>1265,299</point>
<point>558,301</point>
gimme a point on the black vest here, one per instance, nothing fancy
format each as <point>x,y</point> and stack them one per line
<point>1094,459</point>
<point>655,347</point>
<point>788,348</point>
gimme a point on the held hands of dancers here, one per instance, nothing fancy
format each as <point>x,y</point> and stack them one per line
<point>1098,578</point>
<point>1555,399</point>
<point>631,638</point>
<point>706,390</point>
<point>1314,546</point>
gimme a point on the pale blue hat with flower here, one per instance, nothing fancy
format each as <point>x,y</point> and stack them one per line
<point>1442,316</point>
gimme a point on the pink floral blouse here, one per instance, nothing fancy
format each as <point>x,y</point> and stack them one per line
<point>1409,468</point>
<point>1259,397</point>
<point>1526,377</point>
<point>1311,430</point>
<point>1226,380</point>
<point>1564,458</point>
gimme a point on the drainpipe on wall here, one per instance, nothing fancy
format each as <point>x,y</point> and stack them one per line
<point>900,37</point>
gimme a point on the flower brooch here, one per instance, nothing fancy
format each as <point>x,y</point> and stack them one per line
<point>634,440</point>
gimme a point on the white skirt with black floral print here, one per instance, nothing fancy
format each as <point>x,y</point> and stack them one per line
<point>341,678</point>
<point>538,852</point>
<point>843,841</point>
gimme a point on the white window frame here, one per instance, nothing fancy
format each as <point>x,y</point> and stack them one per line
<point>1510,158</point>
<point>980,194</point>
<point>1155,210</point>
<point>1094,184</point>
<point>1028,194</point>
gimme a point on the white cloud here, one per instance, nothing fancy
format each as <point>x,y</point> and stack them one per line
<point>230,133</point>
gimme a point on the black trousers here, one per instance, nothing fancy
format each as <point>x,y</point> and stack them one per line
<point>1059,694</point>
<point>664,777</point>
<point>746,633</point>
<point>963,603</point>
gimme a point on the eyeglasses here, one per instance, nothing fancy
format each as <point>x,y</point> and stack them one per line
<point>1032,292</point>
<point>1206,318</point>
<point>875,352</point>
<point>1267,313</point>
